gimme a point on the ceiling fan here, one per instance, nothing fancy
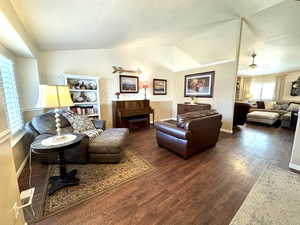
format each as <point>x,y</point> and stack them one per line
<point>253,65</point>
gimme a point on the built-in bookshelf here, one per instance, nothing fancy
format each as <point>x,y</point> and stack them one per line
<point>85,93</point>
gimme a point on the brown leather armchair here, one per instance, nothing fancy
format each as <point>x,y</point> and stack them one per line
<point>190,135</point>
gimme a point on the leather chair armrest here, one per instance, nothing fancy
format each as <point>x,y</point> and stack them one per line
<point>172,129</point>
<point>99,124</point>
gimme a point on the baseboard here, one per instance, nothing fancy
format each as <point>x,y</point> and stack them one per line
<point>294,166</point>
<point>226,131</point>
<point>171,118</point>
<point>22,165</point>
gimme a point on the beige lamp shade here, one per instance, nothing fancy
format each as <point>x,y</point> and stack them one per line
<point>54,96</point>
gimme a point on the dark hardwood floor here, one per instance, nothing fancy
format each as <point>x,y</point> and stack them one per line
<point>206,189</point>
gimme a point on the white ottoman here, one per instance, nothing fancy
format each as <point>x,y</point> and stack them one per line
<point>263,117</point>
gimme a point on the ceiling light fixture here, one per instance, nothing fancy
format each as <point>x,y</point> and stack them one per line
<point>253,65</point>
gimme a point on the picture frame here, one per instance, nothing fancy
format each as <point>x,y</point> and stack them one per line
<point>200,85</point>
<point>129,84</point>
<point>295,88</point>
<point>159,87</point>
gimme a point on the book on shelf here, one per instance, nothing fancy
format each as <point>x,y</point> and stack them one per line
<point>84,110</point>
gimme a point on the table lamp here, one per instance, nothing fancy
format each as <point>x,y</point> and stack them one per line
<point>55,96</point>
<point>145,86</point>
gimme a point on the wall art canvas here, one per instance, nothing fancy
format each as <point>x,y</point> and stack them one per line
<point>129,84</point>
<point>199,85</point>
<point>159,87</point>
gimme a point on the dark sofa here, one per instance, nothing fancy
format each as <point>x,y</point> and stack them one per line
<point>106,148</point>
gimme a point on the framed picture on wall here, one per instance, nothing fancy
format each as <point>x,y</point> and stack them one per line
<point>129,84</point>
<point>159,87</point>
<point>199,85</point>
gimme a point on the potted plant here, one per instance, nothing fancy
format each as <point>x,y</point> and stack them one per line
<point>118,95</point>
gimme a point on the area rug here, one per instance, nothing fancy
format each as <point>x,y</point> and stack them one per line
<point>273,200</point>
<point>95,179</point>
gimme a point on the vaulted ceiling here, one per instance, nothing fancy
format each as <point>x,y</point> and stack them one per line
<point>204,31</point>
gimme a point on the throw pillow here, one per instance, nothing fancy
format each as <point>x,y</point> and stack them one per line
<point>284,106</point>
<point>92,133</point>
<point>269,105</point>
<point>260,104</point>
<point>79,123</point>
<point>293,107</point>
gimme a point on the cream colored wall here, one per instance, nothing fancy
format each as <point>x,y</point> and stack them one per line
<point>27,77</point>
<point>20,151</point>
<point>153,62</point>
<point>224,91</point>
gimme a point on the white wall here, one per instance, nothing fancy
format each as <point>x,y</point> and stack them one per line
<point>224,91</point>
<point>153,62</point>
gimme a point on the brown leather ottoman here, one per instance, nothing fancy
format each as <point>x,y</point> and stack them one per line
<point>109,146</point>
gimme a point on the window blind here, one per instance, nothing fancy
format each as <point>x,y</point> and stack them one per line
<point>263,88</point>
<point>8,82</point>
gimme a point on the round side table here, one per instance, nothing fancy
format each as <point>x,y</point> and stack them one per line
<point>65,178</point>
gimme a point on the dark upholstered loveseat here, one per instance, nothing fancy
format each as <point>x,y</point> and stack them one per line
<point>108,147</point>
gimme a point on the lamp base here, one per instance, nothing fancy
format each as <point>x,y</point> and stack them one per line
<point>58,140</point>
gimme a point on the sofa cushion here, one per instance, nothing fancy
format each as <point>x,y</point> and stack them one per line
<point>45,123</point>
<point>111,141</point>
<point>280,106</point>
<point>286,116</point>
<point>182,119</point>
<point>293,107</point>
<point>263,115</point>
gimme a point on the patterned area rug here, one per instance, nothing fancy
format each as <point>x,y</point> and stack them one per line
<point>273,200</point>
<point>95,179</point>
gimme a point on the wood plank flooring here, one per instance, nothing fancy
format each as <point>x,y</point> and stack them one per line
<point>206,189</point>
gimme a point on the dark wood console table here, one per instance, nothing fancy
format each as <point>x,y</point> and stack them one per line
<point>185,108</point>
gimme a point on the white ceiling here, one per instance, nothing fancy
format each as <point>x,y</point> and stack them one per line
<point>275,36</point>
<point>203,31</point>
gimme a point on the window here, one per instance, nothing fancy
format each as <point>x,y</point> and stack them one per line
<point>8,83</point>
<point>263,88</point>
